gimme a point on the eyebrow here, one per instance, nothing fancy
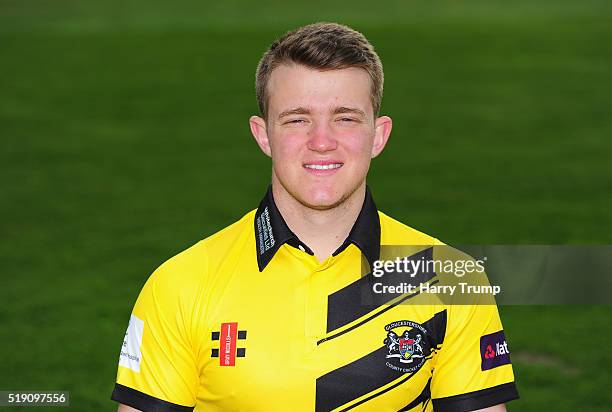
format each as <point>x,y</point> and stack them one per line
<point>297,110</point>
<point>337,110</point>
<point>343,109</point>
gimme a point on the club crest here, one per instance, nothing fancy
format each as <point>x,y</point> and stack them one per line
<point>406,345</point>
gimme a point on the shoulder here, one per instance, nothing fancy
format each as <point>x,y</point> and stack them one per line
<point>189,268</point>
<point>230,237</point>
<point>394,232</point>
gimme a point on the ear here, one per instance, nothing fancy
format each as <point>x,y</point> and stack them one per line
<point>382,132</point>
<point>260,133</point>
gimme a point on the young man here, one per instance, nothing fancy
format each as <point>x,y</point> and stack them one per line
<point>266,315</point>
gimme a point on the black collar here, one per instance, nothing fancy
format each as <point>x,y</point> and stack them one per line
<point>271,232</point>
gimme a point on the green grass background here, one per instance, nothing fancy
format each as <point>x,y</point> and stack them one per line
<point>124,139</point>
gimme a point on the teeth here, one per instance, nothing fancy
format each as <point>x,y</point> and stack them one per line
<point>324,167</point>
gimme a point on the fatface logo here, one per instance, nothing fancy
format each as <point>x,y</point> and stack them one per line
<point>494,350</point>
<point>227,337</point>
<point>406,345</point>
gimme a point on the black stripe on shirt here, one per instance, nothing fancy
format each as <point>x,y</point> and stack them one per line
<point>423,397</point>
<point>395,385</point>
<point>145,403</point>
<point>357,299</point>
<point>483,398</point>
<point>372,316</point>
<point>370,372</point>
<point>354,380</point>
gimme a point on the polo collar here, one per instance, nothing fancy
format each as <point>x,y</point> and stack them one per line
<point>271,231</point>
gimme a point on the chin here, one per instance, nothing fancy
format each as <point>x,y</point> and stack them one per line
<point>321,202</point>
<point>323,198</point>
<point>317,195</point>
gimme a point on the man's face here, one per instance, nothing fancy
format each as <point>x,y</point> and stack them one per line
<point>320,132</point>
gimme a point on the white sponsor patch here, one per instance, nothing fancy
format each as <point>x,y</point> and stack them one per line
<point>130,351</point>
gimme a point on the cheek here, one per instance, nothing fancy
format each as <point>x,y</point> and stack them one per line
<point>359,146</point>
<point>286,147</point>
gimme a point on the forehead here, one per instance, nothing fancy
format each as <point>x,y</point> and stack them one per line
<point>295,85</point>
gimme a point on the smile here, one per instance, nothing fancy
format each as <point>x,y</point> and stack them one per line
<point>323,167</point>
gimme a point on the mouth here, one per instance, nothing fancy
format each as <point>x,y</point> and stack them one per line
<point>323,166</point>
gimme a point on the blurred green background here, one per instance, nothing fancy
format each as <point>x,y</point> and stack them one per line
<point>124,140</point>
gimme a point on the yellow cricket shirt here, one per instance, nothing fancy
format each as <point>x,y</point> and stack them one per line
<point>248,320</point>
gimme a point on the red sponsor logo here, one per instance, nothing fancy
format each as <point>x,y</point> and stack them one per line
<point>500,349</point>
<point>227,344</point>
<point>494,350</point>
<point>489,353</point>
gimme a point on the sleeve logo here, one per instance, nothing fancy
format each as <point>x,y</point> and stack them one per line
<point>130,350</point>
<point>494,350</point>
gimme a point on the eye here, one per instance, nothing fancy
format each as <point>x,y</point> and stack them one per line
<point>347,119</point>
<point>295,121</point>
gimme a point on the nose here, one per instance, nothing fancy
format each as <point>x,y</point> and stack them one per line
<point>321,138</point>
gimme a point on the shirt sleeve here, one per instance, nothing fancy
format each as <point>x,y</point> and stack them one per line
<point>157,364</point>
<point>472,369</point>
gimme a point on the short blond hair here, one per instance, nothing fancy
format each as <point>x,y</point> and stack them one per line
<point>322,46</point>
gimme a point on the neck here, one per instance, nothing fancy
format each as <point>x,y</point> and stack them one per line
<point>322,230</point>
